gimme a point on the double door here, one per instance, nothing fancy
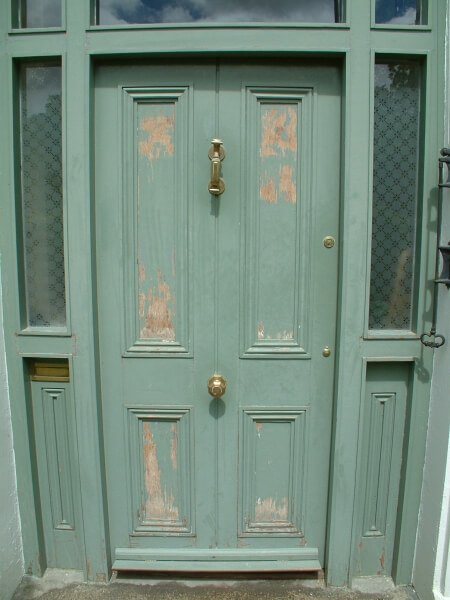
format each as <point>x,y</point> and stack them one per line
<point>193,284</point>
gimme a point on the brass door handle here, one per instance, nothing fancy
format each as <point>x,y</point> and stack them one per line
<point>217,386</point>
<point>216,185</point>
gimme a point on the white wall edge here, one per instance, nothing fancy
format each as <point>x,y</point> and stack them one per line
<point>441,579</point>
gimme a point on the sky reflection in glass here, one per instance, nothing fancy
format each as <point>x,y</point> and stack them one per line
<point>41,13</point>
<point>117,12</point>
<point>396,12</point>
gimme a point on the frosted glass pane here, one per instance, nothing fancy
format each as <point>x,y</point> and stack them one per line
<point>395,173</point>
<point>42,206</point>
<point>117,12</point>
<point>40,13</point>
<point>397,12</point>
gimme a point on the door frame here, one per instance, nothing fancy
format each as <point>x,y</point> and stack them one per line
<point>80,45</point>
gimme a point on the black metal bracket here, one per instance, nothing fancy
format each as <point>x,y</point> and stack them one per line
<point>443,252</point>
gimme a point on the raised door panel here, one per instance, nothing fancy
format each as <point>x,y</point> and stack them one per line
<point>157,140</point>
<point>277,155</point>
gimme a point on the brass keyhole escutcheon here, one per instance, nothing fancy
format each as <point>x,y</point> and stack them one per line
<point>328,242</point>
<point>326,352</point>
<point>217,386</point>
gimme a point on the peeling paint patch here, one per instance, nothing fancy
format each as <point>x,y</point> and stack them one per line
<point>142,299</point>
<point>267,190</point>
<point>173,445</point>
<point>160,133</point>
<point>258,426</point>
<point>281,335</point>
<point>158,318</point>
<point>279,131</point>
<point>284,335</point>
<point>159,504</point>
<point>287,186</point>
<point>141,273</point>
<point>270,510</point>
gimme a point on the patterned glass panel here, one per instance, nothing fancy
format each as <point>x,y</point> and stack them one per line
<point>117,12</point>
<point>397,12</point>
<point>396,135</point>
<point>39,13</point>
<point>42,207</point>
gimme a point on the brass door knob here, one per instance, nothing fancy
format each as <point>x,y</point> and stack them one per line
<point>217,386</point>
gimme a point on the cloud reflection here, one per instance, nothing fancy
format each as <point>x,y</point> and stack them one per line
<point>113,12</point>
<point>45,13</point>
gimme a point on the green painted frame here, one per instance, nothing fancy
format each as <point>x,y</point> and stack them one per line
<point>356,42</point>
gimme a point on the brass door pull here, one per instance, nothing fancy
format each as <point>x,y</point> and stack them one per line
<point>216,154</point>
<point>217,386</point>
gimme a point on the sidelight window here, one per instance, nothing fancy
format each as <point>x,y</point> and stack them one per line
<point>42,194</point>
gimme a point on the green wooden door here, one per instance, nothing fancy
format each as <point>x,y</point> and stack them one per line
<point>242,284</point>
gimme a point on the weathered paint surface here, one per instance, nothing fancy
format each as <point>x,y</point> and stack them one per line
<point>278,155</point>
<point>268,510</point>
<point>173,445</point>
<point>268,191</point>
<point>159,503</point>
<point>280,335</point>
<point>158,308</point>
<point>160,134</point>
<point>287,185</point>
<point>279,131</point>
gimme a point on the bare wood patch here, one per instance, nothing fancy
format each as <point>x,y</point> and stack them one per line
<point>267,190</point>
<point>285,335</point>
<point>159,504</point>
<point>270,510</point>
<point>287,186</point>
<point>279,131</point>
<point>142,299</point>
<point>160,133</point>
<point>260,331</point>
<point>158,319</point>
<point>141,273</point>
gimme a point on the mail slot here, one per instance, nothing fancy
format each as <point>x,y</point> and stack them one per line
<point>49,369</point>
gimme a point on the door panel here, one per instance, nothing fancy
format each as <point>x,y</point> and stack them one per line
<point>241,284</point>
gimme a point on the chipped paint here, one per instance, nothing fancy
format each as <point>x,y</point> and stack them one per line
<point>260,331</point>
<point>173,445</point>
<point>281,335</point>
<point>267,190</point>
<point>270,510</point>
<point>159,504</point>
<point>258,426</point>
<point>160,133</point>
<point>287,186</point>
<point>158,317</point>
<point>142,299</point>
<point>141,273</point>
<point>279,131</point>
<point>284,335</point>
